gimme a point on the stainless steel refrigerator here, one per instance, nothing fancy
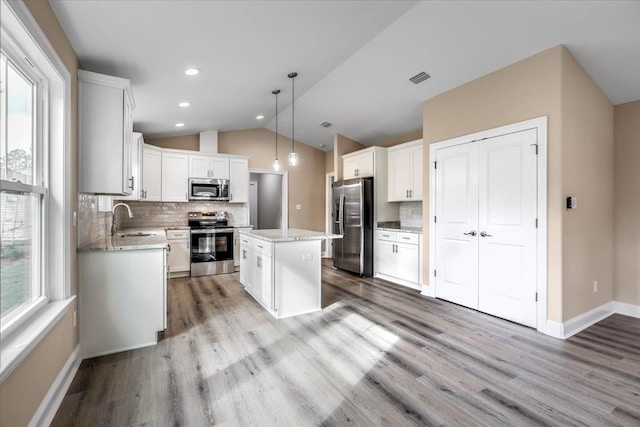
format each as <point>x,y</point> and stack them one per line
<point>353,219</point>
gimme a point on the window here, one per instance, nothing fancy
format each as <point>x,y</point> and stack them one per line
<point>23,189</point>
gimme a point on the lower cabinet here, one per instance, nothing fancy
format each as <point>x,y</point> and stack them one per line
<point>256,270</point>
<point>398,257</point>
<point>179,252</point>
<point>236,246</point>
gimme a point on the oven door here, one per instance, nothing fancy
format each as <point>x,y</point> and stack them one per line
<point>208,245</point>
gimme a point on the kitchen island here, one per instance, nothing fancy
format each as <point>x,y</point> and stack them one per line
<point>281,269</point>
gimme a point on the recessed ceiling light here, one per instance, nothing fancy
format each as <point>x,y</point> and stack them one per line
<point>184,104</point>
<point>179,125</point>
<point>191,71</point>
<point>260,117</point>
<point>326,124</point>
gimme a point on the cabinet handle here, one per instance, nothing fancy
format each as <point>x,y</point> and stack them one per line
<point>244,254</point>
<point>407,194</point>
<point>231,197</point>
<point>131,186</point>
<point>169,246</point>
<point>406,238</point>
<point>411,194</point>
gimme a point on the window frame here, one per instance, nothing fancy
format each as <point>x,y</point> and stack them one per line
<point>17,20</point>
<point>18,58</point>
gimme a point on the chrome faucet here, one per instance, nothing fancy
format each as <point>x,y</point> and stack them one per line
<point>113,218</point>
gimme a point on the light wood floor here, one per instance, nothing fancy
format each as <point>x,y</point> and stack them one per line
<point>378,354</point>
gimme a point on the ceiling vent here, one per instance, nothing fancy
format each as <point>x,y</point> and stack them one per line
<point>419,78</point>
<point>326,124</point>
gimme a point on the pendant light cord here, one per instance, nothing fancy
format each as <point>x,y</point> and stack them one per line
<point>277,126</point>
<point>293,116</point>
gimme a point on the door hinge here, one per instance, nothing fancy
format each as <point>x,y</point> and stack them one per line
<point>435,273</point>
<point>435,165</point>
<point>536,222</point>
<point>435,219</point>
<point>535,145</point>
<point>536,297</point>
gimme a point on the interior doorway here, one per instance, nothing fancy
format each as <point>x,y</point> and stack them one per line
<point>268,201</point>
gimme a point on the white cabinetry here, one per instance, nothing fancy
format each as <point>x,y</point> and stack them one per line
<point>206,166</point>
<point>239,180</point>
<point>175,177</point>
<point>179,252</point>
<point>359,164</point>
<point>405,172</point>
<point>398,257</point>
<point>151,189</point>
<point>105,133</point>
<point>122,300</point>
<point>136,167</point>
<point>236,246</point>
<point>256,269</point>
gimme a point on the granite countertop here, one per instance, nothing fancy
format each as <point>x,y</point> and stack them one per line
<point>289,235</point>
<point>134,243</point>
<point>395,226</point>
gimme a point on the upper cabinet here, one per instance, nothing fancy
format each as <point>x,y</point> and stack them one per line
<point>105,134</point>
<point>136,166</point>
<point>358,164</point>
<point>208,166</point>
<point>239,180</point>
<point>405,172</point>
<point>175,177</point>
<point>151,168</point>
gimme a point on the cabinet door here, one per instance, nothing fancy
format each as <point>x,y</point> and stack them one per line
<point>151,174</point>
<point>386,257</point>
<point>245,266</point>
<point>239,181</point>
<point>220,167</point>
<point>175,177</point>
<point>136,167</point>
<point>416,160</point>
<point>399,175</point>
<point>408,262</point>
<point>350,167</point>
<point>199,166</point>
<point>127,149</point>
<point>365,165</point>
<point>179,256</point>
<point>266,283</point>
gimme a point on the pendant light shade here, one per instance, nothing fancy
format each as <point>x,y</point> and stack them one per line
<point>276,162</point>
<point>293,156</point>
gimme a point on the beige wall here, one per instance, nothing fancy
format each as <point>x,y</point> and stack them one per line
<point>343,145</point>
<point>627,203</point>
<point>184,142</point>
<point>587,173</point>
<point>306,181</point>
<point>524,90</point>
<point>390,142</point>
<point>22,392</point>
<point>580,142</point>
<point>328,161</point>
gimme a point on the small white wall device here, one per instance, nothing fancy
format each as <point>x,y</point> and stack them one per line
<point>572,203</point>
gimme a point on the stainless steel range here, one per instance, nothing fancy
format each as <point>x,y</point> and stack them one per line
<point>211,243</point>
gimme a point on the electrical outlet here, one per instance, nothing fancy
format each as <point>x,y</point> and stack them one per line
<point>299,207</point>
<point>595,286</point>
<point>75,318</point>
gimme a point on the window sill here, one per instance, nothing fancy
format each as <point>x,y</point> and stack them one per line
<point>15,347</point>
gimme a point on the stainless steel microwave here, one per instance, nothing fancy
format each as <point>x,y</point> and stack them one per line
<point>208,189</point>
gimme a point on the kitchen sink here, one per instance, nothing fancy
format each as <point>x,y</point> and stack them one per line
<point>138,234</point>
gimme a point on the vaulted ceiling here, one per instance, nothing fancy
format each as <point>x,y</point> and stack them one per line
<point>354,58</point>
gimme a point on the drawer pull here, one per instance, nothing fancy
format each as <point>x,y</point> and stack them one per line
<point>406,238</point>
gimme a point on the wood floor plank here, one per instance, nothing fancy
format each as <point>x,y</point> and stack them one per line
<point>377,354</point>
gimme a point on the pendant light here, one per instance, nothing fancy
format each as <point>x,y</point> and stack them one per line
<point>293,156</point>
<point>276,162</point>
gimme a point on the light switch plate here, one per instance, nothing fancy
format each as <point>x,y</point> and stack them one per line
<point>572,203</point>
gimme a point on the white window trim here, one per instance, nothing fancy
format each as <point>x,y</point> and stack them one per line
<point>25,334</point>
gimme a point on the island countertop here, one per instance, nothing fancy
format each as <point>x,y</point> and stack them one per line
<point>288,235</point>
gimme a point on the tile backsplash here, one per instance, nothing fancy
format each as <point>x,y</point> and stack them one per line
<point>411,214</point>
<point>166,214</point>
<point>92,224</point>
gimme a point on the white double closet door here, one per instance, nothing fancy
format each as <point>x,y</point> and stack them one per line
<point>486,203</point>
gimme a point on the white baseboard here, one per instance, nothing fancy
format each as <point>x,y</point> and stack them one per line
<point>591,317</point>
<point>52,400</point>
<point>428,291</point>
<point>398,281</point>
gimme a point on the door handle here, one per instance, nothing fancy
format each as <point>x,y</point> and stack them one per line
<point>484,234</point>
<point>471,233</point>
